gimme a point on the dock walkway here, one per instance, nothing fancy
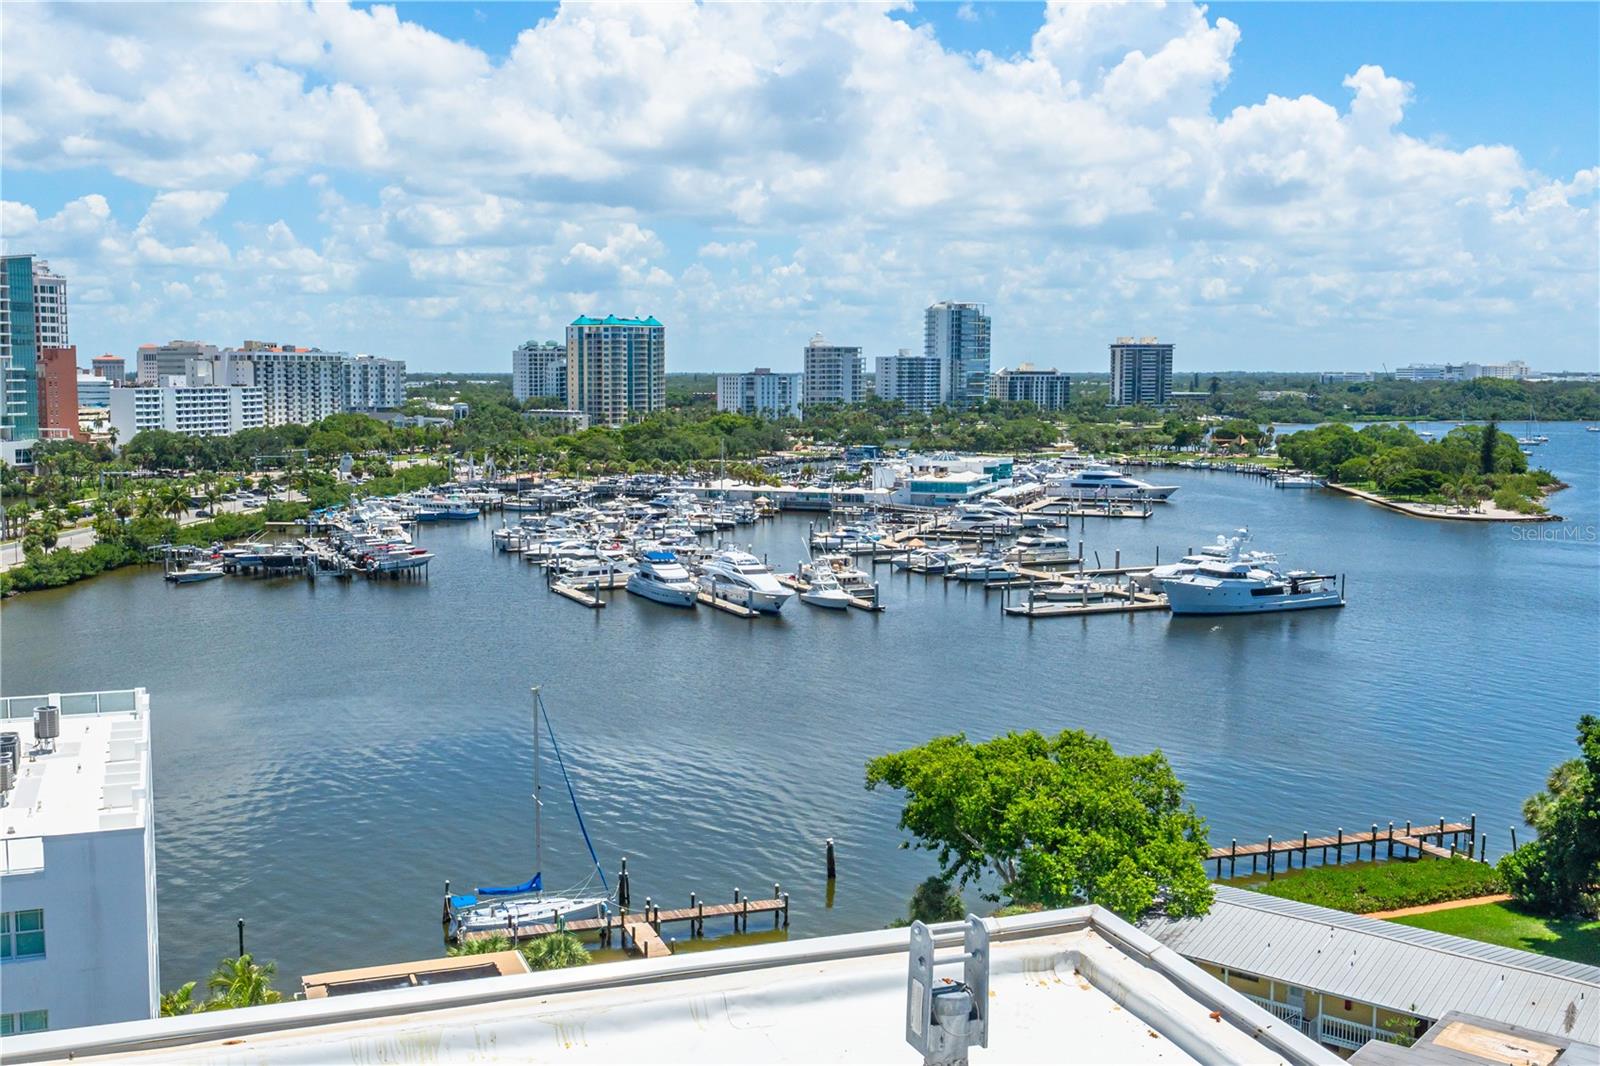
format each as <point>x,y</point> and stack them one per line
<point>642,929</point>
<point>1414,839</point>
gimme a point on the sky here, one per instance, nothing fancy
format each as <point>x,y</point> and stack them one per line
<point>1269,186</point>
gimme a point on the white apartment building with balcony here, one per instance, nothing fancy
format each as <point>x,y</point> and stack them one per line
<point>917,381</point>
<point>373,383</point>
<point>1049,390</point>
<point>761,392</point>
<point>78,933</point>
<point>833,373</point>
<point>539,371</point>
<point>194,410</point>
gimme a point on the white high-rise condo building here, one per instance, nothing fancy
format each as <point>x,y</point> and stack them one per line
<point>50,306</point>
<point>834,373</point>
<point>616,368</point>
<point>538,371</point>
<point>957,334</point>
<point>761,392</point>
<point>1050,390</point>
<point>172,359</point>
<point>913,380</point>
<point>373,383</point>
<point>78,933</point>
<point>1141,372</point>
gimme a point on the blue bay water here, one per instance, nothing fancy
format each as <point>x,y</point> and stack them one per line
<point>326,756</point>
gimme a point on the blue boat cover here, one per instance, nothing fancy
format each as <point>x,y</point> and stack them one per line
<point>661,557</point>
<point>459,902</point>
<point>530,885</point>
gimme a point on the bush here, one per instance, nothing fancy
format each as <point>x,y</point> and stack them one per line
<point>556,951</point>
<point>1388,885</point>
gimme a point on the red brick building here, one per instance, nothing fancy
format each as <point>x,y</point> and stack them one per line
<point>58,393</point>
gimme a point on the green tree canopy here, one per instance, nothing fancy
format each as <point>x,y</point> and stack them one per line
<point>1056,820</point>
<point>1559,872</point>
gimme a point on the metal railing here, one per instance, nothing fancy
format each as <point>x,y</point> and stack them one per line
<point>1295,1016</point>
<point>113,701</point>
<point>1341,1032</point>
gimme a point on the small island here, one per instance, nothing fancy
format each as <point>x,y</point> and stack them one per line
<point>1475,473</point>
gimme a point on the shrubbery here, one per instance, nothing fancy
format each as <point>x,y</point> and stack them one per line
<point>1388,885</point>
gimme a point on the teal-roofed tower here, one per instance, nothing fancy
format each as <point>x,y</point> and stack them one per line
<point>616,368</point>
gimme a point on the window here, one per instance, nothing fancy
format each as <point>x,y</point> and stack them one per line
<point>28,1021</point>
<point>22,934</point>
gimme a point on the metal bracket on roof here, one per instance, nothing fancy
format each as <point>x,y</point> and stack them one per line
<point>944,1019</point>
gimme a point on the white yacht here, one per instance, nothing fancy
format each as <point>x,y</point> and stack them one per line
<point>851,578</point>
<point>739,577</point>
<point>1225,550</point>
<point>1102,482</point>
<point>662,578</point>
<point>825,591</point>
<point>1249,588</point>
<point>983,568</point>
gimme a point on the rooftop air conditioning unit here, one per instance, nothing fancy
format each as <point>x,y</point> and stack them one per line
<point>46,725</point>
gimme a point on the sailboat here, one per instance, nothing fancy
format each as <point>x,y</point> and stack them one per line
<point>1529,437</point>
<point>508,908</point>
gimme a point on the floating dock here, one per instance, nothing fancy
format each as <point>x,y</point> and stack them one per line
<point>1088,507</point>
<point>1114,601</point>
<point>738,610</point>
<point>641,930</point>
<point>578,595</point>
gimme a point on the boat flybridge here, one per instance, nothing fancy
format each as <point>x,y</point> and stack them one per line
<point>1104,482</point>
<point>1247,587</point>
<point>511,907</point>
<point>739,577</point>
<point>1225,550</point>
<point>661,577</point>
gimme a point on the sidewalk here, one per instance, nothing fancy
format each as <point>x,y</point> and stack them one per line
<point>1448,905</point>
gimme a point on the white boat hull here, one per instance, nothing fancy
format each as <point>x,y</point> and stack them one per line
<point>832,599</point>
<point>1187,597</point>
<point>675,595</point>
<point>755,599</point>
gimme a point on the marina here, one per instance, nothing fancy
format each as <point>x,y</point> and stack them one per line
<point>720,751</point>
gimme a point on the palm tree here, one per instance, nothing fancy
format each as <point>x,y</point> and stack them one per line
<point>150,505</point>
<point>556,951</point>
<point>122,507</point>
<point>482,945</point>
<point>178,1002</point>
<point>242,982</point>
<point>175,499</point>
<point>212,495</point>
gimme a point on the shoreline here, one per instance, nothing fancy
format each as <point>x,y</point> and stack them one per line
<point>1422,511</point>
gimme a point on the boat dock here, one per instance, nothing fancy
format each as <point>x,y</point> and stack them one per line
<point>1414,839</point>
<point>578,595</point>
<point>860,603</point>
<point>738,610</point>
<point>640,931</point>
<point>1089,506</point>
<point>1112,600</point>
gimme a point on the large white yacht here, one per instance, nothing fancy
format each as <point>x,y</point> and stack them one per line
<point>662,578</point>
<point>1102,482</point>
<point>1225,550</point>
<point>1245,587</point>
<point>739,577</point>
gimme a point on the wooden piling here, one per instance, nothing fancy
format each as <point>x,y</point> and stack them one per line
<point>832,870</point>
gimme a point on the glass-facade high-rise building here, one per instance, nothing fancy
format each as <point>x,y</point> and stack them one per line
<point>33,315</point>
<point>957,334</point>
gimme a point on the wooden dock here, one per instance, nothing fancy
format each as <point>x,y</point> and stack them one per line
<point>1089,507</point>
<point>578,595</point>
<point>1116,601</point>
<point>738,610</point>
<point>1413,839</point>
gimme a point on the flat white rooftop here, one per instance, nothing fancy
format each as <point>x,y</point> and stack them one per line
<point>1074,986</point>
<point>96,778</point>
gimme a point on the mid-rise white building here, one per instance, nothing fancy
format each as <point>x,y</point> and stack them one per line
<point>1341,377</point>
<point>195,410</point>
<point>93,391</point>
<point>761,392</point>
<point>917,381</point>
<point>834,373</point>
<point>1516,370</point>
<point>616,368</point>
<point>538,371</point>
<point>50,306</point>
<point>1050,390</point>
<point>172,359</point>
<point>78,933</point>
<point>1141,372</point>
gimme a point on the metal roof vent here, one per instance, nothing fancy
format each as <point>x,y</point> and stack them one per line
<point>8,781</point>
<point>944,1020</point>
<point>47,725</point>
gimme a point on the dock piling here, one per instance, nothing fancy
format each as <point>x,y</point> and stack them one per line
<point>1338,847</point>
<point>832,872</point>
<point>622,884</point>
<point>1271,866</point>
<point>777,893</point>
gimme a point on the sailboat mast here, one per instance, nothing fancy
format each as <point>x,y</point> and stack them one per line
<point>538,800</point>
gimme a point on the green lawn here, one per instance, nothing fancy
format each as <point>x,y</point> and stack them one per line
<point>1510,926</point>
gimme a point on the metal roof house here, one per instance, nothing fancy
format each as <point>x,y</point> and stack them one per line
<point>1064,987</point>
<point>1339,976</point>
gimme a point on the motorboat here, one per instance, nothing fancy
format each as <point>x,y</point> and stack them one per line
<point>972,518</point>
<point>1249,587</point>
<point>1072,590</point>
<point>851,578</point>
<point>983,568</point>
<point>1298,481</point>
<point>661,577</point>
<point>825,591</point>
<point>1104,482</point>
<point>739,577</point>
<point>1041,548</point>
<point>1225,550</point>
<point>193,572</point>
